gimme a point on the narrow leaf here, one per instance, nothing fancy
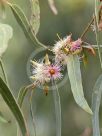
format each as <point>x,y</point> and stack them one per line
<point>35,16</point>
<point>3,71</point>
<point>12,104</point>
<point>20,99</point>
<point>24,23</point>
<point>2,118</point>
<point>97,3</point>
<point>21,95</point>
<point>57,104</point>
<point>52,6</point>
<point>2,10</point>
<point>74,73</point>
<point>32,118</point>
<point>96,99</point>
<point>6,33</point>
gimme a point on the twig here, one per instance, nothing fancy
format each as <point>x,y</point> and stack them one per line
<point>87,28</point>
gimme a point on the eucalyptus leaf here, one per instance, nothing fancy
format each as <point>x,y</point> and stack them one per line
<point>74,73</point>
<point>52,6</point>
<point>56,98</point>
<point>2,10</point>
<point>12,104</point>
<point>35,16</point>
<point>20,99</point>
<point>32,117</point>
<point>6,33</point>
<point>96,100</point>
<point>21,95</point>
<point>2,118</point>
<point>97,4</point>
<point>3,71</point>
<point>25,25</point>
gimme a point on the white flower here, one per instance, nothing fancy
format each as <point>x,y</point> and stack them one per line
<point>67,46</point>
<point>60,56</point>
<point>37,73</point>
<point>43,73</point>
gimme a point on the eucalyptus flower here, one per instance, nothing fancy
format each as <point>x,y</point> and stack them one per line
<point>67,46</point>
<point>67,52</point>
<point>44,72</point>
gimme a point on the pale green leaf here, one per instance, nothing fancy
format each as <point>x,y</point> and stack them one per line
<point>52,6</point>
<point>96,100</point>
<point>35,16</point>
<point>25,25</point>
<point>21,95</point>
<point>6,33</point>
<point>3,71</point>
<point>12,104</point>
<point>2,10</point>
<point>20,99</point>
<point>32,117</point>
<point>2,118</point>
<point>74,73</point>
<point>97,3</point>
<point>57,104</point>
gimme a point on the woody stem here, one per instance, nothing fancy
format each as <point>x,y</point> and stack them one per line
<point>88,27</point>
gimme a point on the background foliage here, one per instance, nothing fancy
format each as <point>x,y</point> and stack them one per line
<point>71,18</point>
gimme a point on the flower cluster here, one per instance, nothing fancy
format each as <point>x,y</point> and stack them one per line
<point>67,46</point>
<point>44,72</point>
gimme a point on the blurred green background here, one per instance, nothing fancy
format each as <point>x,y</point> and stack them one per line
<point>73,17</point>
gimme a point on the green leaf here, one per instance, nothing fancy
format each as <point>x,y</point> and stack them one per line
<point>25,25</point>
<point>20,99</point>
<point>21,95</point>
<point>32,115</point>
<point>22,92</point>
<point>35,16</point>
<point>2,118</point>
<point>74,73</point>
<point>97,3</point>
<point>12,104</point>
<point>2,10</point>
<point>96,100</point>
<point>3,71</point>
<point>57,104</point>
<point>6,33</point>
